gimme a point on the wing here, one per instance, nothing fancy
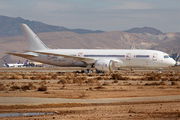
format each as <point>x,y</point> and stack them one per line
<point>75,58</point>
<point>24,55</point>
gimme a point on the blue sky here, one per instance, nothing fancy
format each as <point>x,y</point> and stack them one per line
<point>107,15</point>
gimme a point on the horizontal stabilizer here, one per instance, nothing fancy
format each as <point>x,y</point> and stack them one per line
<point>21,54</point>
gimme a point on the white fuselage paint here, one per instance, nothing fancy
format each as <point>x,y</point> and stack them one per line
<point>126,57</point>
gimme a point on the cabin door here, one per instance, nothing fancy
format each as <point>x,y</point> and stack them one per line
<point>155,56</point>
<point>128,56</point>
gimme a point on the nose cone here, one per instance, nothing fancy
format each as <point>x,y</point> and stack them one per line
<point>169,62</point>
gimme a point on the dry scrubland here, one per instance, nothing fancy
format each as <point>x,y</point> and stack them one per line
<point>92,85</point>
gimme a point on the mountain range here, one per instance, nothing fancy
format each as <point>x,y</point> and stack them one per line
<point>9,26</point>
<point>144,30</point>
<point>12,40</point>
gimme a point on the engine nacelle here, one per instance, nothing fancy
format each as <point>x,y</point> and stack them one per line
<point>105,65</point>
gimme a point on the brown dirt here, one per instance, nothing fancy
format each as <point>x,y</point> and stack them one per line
<point>133,110</point>
<point>83,86</point>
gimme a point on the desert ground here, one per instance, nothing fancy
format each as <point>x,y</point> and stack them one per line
<point>65,93</point>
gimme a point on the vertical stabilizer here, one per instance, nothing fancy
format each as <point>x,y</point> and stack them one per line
<point>34,43</point>
<point>6,64</point>
<point>25,63</point>
<point>18,62</point>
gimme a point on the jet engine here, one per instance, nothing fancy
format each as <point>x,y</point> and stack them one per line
<point>105,65</point>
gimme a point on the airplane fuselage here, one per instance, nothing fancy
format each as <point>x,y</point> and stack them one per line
<point>14,65</point>
<point>127,58</point>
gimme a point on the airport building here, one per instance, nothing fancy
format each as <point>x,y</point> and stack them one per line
<point>35,64</point>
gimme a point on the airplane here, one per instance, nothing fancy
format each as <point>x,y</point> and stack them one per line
<point>100,59</point>
<point>15,65</point>
<point>8,65</point>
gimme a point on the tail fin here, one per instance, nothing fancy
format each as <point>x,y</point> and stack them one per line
<point>6,64</point>
<point>26,62</point>
<point>18,62</point>
<point>34,43</point>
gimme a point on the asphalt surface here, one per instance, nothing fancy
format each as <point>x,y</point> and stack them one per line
<point>37,101</point>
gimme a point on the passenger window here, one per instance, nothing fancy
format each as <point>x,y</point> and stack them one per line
<point>166,56</point>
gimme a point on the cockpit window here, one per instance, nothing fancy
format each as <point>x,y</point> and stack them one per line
<point>166,56</point>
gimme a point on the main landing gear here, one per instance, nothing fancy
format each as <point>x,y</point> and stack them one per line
<point>91,71</point>
<point>88,69</point>
<point>97,71</point>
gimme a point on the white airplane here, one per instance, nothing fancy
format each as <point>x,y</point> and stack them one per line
<point>16,64</point>
<point>11,65</point>
<point>100,59</point>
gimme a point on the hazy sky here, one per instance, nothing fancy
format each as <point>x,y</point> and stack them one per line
<point>107,15</point>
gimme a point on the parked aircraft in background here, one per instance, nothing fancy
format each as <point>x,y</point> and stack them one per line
<point>100,59</point>
<point>16,64</point>
<point>11,65</point>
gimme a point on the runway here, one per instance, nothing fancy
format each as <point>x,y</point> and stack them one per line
<point>38,101</point>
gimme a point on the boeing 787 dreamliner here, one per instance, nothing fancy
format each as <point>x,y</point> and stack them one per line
<point>100,59</point>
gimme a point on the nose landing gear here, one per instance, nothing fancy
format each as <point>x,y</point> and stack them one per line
<point>160,70</point>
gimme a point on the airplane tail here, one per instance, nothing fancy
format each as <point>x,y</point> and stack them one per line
<point>6,64</point>
<point>18,62</point>
<point>26,62</point>
<point>34,43</point>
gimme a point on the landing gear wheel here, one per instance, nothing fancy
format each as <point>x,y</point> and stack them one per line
<point>160,70</point>
<point>97,71</point>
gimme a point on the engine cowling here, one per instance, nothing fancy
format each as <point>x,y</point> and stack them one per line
<point>105,65</point>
